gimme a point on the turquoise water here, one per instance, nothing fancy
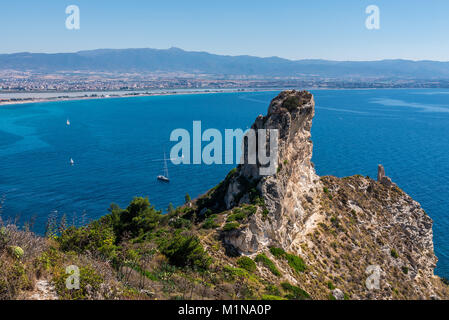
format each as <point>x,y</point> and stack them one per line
<point>117,144</point>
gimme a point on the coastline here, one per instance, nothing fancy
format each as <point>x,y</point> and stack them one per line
<point>105,95</point>
<point>115,95</point>
<point>88,95</point>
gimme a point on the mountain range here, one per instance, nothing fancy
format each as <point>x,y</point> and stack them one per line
<point>178,60</point>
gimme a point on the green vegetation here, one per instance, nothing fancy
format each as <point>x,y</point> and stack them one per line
<point>295,262</point>
<point>247,263</point>
<point>262,258</point>
<point>240,214</point>
<point>270,297</point>
<point>231,226</point>
<point>210,222</point>
<point>235,273</point>
<point>185,251</point>
<point>404,269</point>
<point>291,103</point>
<point>294,292</point>
<point>394,254</point>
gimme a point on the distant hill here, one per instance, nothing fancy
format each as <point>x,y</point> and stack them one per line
<point>178,60</point>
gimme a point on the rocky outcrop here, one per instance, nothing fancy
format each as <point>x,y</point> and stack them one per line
<point>288,195</point>
<point>343,228</point>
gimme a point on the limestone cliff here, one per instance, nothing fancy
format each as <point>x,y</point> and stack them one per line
<point>342,229</point>
<point>290,195</point>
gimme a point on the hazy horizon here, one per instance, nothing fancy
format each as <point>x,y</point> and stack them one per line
<point>219,54</point>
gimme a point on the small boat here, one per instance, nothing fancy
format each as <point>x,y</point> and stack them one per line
<point>164,177</point>
<point>72,162</point>
<point>68,122</point>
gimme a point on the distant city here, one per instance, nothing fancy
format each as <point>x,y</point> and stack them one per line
<point>23,76</point>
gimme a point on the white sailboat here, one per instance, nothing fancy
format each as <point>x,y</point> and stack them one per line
<point>72,162</point>
<point>164,177</point>
<point>68,122</point>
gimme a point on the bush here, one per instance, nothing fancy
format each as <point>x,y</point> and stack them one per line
<point>96,238</point>
<point>247,264</point>
<point>179,223</point>
<point>239,216</point>
<point>4,237</point>
<point>210,222</point>
<point>185,251</point>
<point>295,262</point>
<point>291,103</point>
<point>268,264</point>
<point>295,293</point>
<point>394,254</point>
<point>235,273</point>
<point>138,219</point>
<point>277,252</point>
<point>16,252</point>
<point>404,269</point>
<point>231,226</point>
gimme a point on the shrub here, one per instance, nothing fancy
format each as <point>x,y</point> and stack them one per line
<point>4,237</point>
<point>277,252</point>
<point>96,238</point>
<point>16,252</point>
<point>295,293</point>
<point>247,264</point>
<point>394,254</point>
<point>262,258</point>
<point>239,216</point>
<point>231,226</point>
<point>90,282</point>
<point>235,273</point>
<point>404,269</point>
<point>139,218</point>
<point>330,285</point>
<point>185,251</point>
<point>295,262</point>
<point>179,223</point>
<point>291,103</point>
<point>271,289</point>
<point>210,222</point>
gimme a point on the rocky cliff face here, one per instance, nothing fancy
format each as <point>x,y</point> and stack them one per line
<point>342,228</point>
<point>289,195</point>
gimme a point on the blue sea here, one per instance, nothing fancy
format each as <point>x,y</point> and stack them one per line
<point>117,146</point>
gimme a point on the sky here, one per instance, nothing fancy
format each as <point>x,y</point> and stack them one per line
<point>293,29</point>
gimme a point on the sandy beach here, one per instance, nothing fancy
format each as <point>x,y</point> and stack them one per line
<point>115,95</point>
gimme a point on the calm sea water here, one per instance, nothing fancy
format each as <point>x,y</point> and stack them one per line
<point>117,145</point>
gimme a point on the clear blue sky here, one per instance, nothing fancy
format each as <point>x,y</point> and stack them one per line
<point>295,29</point>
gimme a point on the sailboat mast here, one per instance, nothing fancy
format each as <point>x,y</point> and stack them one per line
<point>165,166</point>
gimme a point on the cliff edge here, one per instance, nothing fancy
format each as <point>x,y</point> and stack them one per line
<point>346,231</point>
